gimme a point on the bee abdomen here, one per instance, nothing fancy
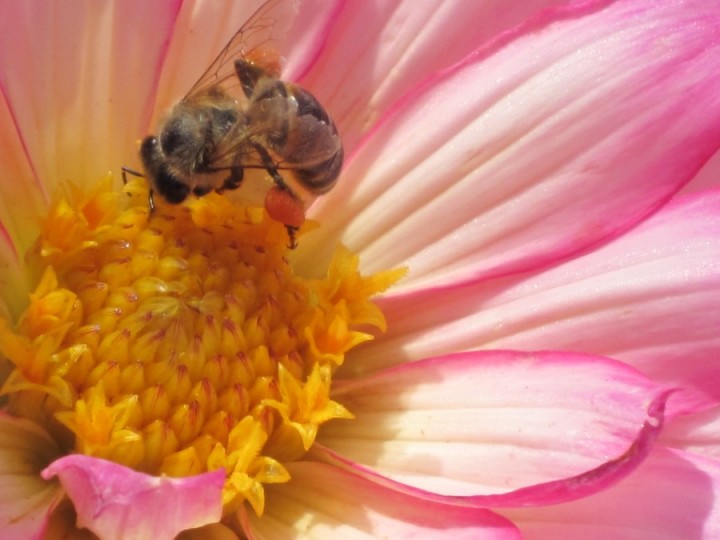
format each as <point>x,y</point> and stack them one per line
<point>316,136</point>
<point>321,178</point>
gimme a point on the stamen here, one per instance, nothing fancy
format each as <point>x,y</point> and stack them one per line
<point>183,342</point>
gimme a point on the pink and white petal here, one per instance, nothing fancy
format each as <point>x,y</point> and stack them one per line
<point>26,500</point>
<point>556,491</point>
<point>493,422</point>
<point>13,281</point>
<point>322,501</point>
<point>306,38</point>
<point>376,52</point>
<point>80,77</point>
<point>621,300</point>
<point>673,494</point>
<point>22,201</point>
<point>698,433</point>
<point>535,152</point>
<point>22,197</point>
<point>116,502</point>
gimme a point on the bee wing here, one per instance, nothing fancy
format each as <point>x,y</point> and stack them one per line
<point>309,141</point>
<point>251,42</point>
<point>237,148</point>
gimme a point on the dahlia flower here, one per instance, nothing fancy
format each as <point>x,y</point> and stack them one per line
<point>502,322</point>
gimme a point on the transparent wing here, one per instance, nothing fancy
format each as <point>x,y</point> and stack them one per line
<point>253,42</point>
<point>309,142</point>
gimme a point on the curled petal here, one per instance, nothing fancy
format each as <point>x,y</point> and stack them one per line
<point>698,433</point>
<point>511,161</point>
<point>488,424</point>
<point>118,503</point>
<point>25,499</point>
<point>322,501</point>
<point>672,494</point>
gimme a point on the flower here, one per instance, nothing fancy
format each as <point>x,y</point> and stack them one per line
<point>548,368</point>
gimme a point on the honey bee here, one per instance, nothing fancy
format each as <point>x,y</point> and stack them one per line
<point>241,116</point>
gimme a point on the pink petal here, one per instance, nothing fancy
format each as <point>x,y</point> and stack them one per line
<point>514,160</point>
<point>79,79</point>
<point>707,178</point>
<point>22,198</point>
<point>118,503</point>
<point>536,417</point>
<point>672,495</point>
<point>698,433</point>
<point>326,502</point>
<point>307,35</point>
<point>25,499</point>
<point>376,52</point>
<point>13,280</point>
<point>621,301</point>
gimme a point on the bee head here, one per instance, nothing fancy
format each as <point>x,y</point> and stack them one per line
<point>183,138</point>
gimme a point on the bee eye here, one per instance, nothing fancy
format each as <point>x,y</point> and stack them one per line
<point>148,147</point>
<point>170,140</point>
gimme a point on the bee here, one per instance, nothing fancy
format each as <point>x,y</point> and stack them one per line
<point>241,116</point>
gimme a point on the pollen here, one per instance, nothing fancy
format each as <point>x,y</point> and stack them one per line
<point>183,341</point>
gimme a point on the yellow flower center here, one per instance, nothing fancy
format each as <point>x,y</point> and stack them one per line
<point>183,341</point>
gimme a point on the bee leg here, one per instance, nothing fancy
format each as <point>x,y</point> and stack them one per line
<point>270,167</point>
<point>233,181</point>
<point>291,234</point>
<point>133,172</point>
<point>151,203</point>
<point>280,183</point>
